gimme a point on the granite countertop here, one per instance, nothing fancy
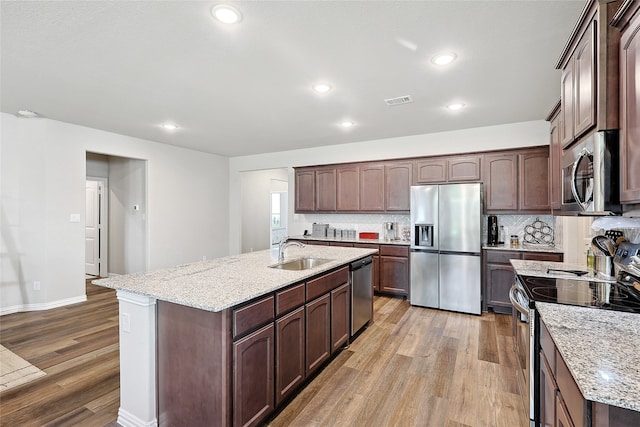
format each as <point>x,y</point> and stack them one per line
<point>600,348</point>
<point>540,268</point>
<point>370,241</point>
<point>524,248</point>
<point>221,283</point>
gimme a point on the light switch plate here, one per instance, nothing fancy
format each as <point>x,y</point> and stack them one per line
<point>74,218</point>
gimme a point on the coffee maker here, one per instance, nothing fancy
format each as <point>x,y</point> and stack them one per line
<point>390,231</point>
<point>492,230</point>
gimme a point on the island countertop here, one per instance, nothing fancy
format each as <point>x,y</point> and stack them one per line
<point>598,346</point>
<point>218,284</point>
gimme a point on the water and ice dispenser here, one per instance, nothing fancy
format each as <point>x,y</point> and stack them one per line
<point>424,235</point>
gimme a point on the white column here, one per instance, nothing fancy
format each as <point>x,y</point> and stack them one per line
<point>138,399</point>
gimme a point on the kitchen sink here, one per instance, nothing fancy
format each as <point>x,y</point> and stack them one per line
<point>301,263</point>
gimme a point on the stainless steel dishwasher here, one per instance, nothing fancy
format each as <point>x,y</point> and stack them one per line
<point>361,294</point>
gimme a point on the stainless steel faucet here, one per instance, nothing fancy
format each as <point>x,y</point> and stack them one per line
<point>284,244</point>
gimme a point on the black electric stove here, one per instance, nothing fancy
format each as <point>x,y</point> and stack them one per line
<point>618,296</point>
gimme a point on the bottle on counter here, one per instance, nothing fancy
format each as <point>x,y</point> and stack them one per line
<point>514,242</point>
<point>501,235</point>
<point>591,259</point>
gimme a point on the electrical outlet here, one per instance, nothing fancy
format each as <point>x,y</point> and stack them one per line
<point>36,285</point>
<point>125,322</point>
<point>204,257</point>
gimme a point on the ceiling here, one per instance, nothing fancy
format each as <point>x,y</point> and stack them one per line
<point>129,66</point>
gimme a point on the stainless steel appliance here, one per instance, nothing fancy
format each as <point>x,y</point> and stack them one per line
<point>361,294</point>
<point>492,231</point>
<point>391,231</point>
<point>590,175</point>
<point>618,295</point>
<point>445,246</point>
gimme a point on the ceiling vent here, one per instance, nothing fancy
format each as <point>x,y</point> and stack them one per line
<point>399,100</point>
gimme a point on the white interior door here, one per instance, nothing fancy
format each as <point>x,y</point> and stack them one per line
<point>92,229</point>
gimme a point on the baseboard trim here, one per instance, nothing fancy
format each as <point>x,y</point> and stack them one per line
<point>42,306</point>
<point>127,419</point>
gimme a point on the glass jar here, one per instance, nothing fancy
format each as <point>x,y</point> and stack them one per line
<point>514,242</point>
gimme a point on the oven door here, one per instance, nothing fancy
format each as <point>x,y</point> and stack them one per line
<point>523,334</point>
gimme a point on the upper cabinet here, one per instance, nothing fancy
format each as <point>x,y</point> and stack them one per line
<point>348,188</point>
<point>372,187</point>
<point>627,19</point>
<point>517,181</point>
<point>326,189</point>
<point>555,157</point>
<point>447,169</point>
<point>397,186</point>
<point>589,80</point>
<point>305,190</point>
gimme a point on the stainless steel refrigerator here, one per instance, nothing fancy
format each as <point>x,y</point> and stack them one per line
<point>445,246</point>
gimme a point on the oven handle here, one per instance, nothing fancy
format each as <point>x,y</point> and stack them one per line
<point>584,204</point>
<point>512,296</point>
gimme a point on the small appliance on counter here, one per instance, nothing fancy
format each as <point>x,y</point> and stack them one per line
<point>319,230</point>
<point>390,231</point>
<point>492,231</point>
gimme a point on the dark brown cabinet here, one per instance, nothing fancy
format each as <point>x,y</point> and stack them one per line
<point>253,377</point>
<point>394,270</point>
<point>431,171</point>
<point>464,169</point>
<point>533,194</point>
<point>447,169</point>
<point>397,186</point>
<point>290,347</point>
<point>500,175</point>
<point>305,190</point>
<point>547,393</point>
<point>517,181</point>
<point>555,159</point>
<point>326,189</point>
<point>318,328</point>
<point>498,275</point>
<point>340,317</point>
<point>372,187</point>
<point>630,104</point>
<point>348,188</point>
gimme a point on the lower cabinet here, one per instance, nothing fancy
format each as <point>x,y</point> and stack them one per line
<point>253,379</point>
<point>394,270</point>
<point>290,348</point>
<point>340,317</point>
<point>318,326</point>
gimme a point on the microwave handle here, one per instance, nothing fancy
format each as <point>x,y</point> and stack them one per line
<point>574,175</point>
<point>514,300</point>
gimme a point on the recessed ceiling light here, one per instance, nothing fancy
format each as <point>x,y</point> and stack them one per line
<point>455,107</point>
<point>226,14</point>
<point>28,114</point>
<point>169,126</point>
<point>321,87</point>
<point>444,58</point>
<point>347,124</point>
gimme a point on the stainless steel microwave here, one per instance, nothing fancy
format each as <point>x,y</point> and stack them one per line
<point>591,175</point>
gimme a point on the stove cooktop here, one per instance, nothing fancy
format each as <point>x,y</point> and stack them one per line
<point>601,295</point>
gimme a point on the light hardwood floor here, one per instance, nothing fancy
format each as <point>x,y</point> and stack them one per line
<point>413,366</point>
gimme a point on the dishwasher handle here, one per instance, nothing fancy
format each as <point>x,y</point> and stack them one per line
<point>361,263</point>
<point>514,300</point>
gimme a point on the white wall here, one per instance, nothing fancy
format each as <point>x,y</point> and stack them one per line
<point>507,136</point>
<point>42,182</point>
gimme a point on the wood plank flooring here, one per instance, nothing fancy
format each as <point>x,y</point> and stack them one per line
<point>412,367</point>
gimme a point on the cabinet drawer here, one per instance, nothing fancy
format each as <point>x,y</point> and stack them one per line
<point>253,315</point>
<point>501,257</point>
<point>570,392</point>
<point>391,250</point>
<point>324,284</point>
<point>289,299</point>
<point>366,246</point>
<point>548,347</point>
<point>542,256</point>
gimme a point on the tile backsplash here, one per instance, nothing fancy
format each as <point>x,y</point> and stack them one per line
<point>515,224</point>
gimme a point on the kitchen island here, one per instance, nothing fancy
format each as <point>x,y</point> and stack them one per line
<point>226,341</point>
<point>587,356</point>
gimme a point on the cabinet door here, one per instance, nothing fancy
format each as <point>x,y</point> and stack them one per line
<point>547,394</point>
<point>372,188</point>
<point>630,112</point>
<point>566,107</point>
<point>555,163</point>
<point>501,182</point>
<point>326,189</point>
<point>253,384</point>
<point>289,354</point>
<point>340,318</point>
<point>318,327</point>
<point>430,171</point>
<point>397,186</point>
<point>562,415</point>
<point>499,279</point>
<point>394,275</point>
<point>305,186</point>
<point>534,180</point>
<point>348,185</point>
<point>585,83</point>
<point>463,169</point>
